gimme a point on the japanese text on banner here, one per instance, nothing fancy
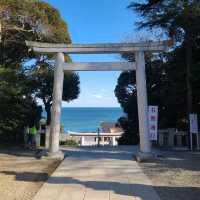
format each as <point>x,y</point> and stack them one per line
<point>153,122</point>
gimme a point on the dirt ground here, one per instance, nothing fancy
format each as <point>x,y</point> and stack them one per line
<point>21,174</point>
<point>175,175</point>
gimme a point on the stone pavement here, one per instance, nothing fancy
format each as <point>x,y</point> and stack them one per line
<point>93,173</point>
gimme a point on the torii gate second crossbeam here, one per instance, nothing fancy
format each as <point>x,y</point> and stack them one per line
<point>139,65</point>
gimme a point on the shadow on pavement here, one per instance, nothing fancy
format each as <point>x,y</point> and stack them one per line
<point>127,189</point>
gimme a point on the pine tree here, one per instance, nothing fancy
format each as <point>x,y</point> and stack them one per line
<point>180,21</point>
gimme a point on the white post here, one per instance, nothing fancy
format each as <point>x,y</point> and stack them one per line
<point>145,144</point>
<point>57,104</point>
<point>47,137</point>
<point>113,141</point>
<point>103,140</point>
<point>82,141</point>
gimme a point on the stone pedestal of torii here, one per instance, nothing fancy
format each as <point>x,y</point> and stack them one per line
<point>138,49</point>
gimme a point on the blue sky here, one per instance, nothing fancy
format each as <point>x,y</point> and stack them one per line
<point>96,21</point>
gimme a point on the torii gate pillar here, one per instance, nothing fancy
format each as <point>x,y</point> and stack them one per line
<point>145,143</point>
<point>56,108</point>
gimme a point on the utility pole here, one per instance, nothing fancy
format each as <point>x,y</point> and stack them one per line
<point>98,132</point>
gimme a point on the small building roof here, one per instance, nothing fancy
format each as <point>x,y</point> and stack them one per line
<point>110,127</point>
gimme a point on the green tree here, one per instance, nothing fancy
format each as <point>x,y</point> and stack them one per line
<point>35,20</point>
<point>18,108</point>
<point>42,78</point>
<point>166,88</point>
<point>180,20</point>
<point>28,20</point>
<point>126,93</point>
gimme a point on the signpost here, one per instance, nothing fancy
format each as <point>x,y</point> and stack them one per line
<point>153,122</point>
<point>194,129</point>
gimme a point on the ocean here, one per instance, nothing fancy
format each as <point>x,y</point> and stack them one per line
<point>88,119</point>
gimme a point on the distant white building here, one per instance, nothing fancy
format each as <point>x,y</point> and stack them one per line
<point>108,135</point>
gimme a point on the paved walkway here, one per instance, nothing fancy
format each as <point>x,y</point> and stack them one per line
<point>98,174</point>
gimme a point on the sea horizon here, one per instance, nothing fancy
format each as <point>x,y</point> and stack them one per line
<point>88,119</point>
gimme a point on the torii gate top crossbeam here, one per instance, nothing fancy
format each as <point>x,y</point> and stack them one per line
<point>99,48</point>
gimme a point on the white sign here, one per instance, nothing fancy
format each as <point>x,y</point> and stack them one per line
<point>193,123</point>
<point>153,122</point>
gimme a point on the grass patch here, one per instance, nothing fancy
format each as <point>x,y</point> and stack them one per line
<point>69,143</point>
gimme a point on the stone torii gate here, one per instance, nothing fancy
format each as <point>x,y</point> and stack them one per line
<point>138,49</point>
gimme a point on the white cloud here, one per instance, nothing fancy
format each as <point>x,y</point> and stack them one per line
<point>102,94</point>
<point>98,96</point>
<point>93,100</point>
